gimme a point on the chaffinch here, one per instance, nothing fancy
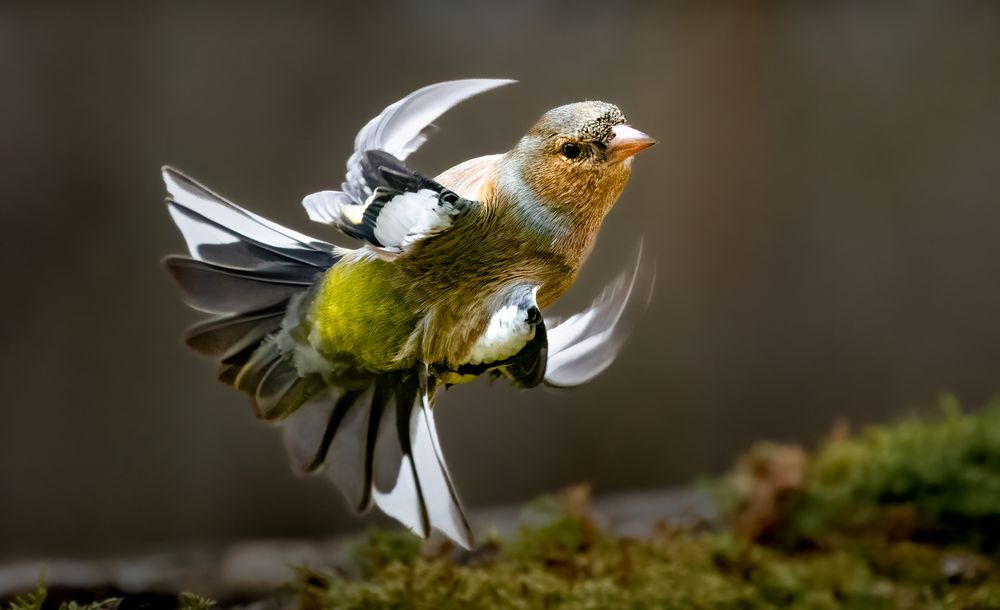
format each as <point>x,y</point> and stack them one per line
<point>346,349</point>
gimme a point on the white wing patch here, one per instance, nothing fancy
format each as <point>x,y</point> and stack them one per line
<point>508,331</point>
<point>396,221</point>
<point>395,133</point>
<point>410,217</point>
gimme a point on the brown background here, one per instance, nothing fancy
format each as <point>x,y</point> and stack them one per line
<point>823,205</point>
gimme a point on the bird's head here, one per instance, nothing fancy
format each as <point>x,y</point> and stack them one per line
<point>578,157</point>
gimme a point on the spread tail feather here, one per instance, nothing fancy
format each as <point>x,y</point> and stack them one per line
<point>379,445</point>
<point>253,273</point>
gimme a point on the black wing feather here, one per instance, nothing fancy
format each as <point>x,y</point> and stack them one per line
<point>386,178</point>
<point>219,289</point>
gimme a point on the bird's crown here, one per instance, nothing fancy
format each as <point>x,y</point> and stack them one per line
<point>585,121</point>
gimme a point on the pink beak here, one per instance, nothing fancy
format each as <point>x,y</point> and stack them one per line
<point>626,141</point>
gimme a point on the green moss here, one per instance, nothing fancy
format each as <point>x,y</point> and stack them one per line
<point>671,570</point>
<point>31,600</point>
<point>384,547</point>
<point>193,601</point>
<point>902,517</point>
<point>40,599</point>
<point>934,481</point>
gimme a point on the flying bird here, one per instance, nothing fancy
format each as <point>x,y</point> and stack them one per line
<point>346,349</point>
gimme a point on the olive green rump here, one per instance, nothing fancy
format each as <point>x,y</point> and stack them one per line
<point>363,311</point>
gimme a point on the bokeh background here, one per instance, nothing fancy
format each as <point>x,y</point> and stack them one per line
<point>823,205</point>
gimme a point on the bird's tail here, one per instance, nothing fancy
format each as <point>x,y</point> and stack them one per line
<point>250,273</point>
<point>379,445</point>
<point>374,436</point>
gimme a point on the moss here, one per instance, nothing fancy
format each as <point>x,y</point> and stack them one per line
<point>42,599</point>
<point>935,481</point>
<point>671,570</point>
<point>193,601</point>
<point>382,548</point>
<point>901,517</point>
<point>32,600</point>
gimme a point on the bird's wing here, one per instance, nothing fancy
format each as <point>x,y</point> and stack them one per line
<point>585,344</point>
<point>398,131</point>
<point>403,207</point>
<point>219,231</point>
<point>404,126</point>
<point>514,343</point>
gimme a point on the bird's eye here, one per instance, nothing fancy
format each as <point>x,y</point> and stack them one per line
<point>570,150</point>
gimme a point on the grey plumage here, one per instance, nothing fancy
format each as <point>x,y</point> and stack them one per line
<point>206,218</point>
<point>224,336</point>
<point>219,289</point>
<point>404,126</point>
<point>585,344</point>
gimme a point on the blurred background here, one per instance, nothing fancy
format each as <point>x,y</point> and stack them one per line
<point>823,205</point>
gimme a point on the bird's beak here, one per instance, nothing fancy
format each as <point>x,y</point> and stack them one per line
<point>626,141</point>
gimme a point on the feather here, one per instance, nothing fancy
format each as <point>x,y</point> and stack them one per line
<point>397,490</point>
<point>444,510</point>
<point>393,135</point>
<point>224,336</point>
<point>345,458</point>
<point>250,269</point>
<point>342,402</point>
<point>468,178</point>
<point>206,220</point>
<point>402,127</point>
<point>206,241</point>
<point>384,387</point>
<point>424,494</point>
<point>327,207</point>
<point>585,344</point>
<point>527,369</point>
<point>403,206</point>
<point>220,289</point>
<point>282,390</point>
<point>252,372</point>
<point>304,431</point>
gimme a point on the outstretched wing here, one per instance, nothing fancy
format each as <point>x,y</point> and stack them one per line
<point>585,344</point>
<point>403,207</point>
<point>407,205</point>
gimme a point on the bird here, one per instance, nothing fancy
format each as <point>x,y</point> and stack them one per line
<point>346,350</point>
